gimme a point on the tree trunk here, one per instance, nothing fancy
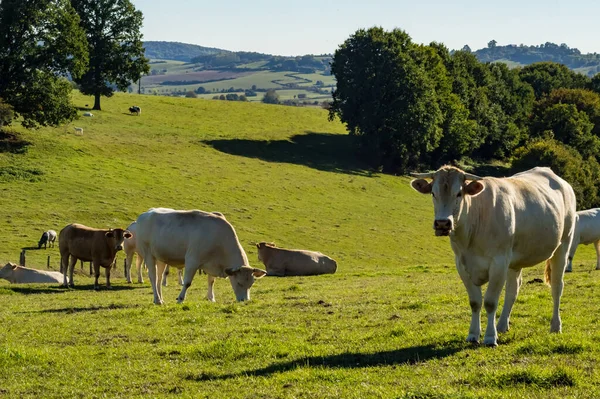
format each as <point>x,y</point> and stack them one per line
<point>97,102</point>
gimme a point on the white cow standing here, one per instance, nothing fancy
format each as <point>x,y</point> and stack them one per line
<point>496,228</point>
<point>587,231</point>
<point>130,248</point>
<point>193,240</point>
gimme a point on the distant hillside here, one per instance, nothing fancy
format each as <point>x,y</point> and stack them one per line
<point>177,51</point>
<point>516,55</point>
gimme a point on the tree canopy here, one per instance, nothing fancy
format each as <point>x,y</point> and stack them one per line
<point>115,46</point>
<point>41,44</point>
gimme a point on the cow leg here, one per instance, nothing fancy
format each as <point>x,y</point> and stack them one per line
<point>211,283</point>
<point>475,299</point>
<point>180,276</point>
<point>71,269</point>
<point>138,265</point>
<point>151,265</point>
<point>96,274</point>
<point>108,276</point>
<point>128,261</point>
<point>165,275</point>
<point>188,275</point>
<point>497,278</point>
<point>160,271</point>
<point>64,268</point>
<point>597,245</point>
<point>557,263</point>
<point>513,283</point>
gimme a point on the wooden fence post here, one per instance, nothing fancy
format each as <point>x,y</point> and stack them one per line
<point>22,258</point>
<point>48,263</point>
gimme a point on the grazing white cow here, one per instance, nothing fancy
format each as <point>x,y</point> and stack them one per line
<point>130,248</point>
<point>496,228</point>
<point>23,275</point>
<point>48,237</point>
<point>193,240</point>
<point>587,231</point>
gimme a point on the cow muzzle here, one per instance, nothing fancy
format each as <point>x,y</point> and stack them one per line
<point>119,248</point>
<point>442,227</point>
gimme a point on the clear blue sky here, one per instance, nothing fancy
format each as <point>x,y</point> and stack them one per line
<point>287,27</point>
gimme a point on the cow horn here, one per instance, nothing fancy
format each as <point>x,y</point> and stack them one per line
<point>469,176</point>
<point>427,175</point>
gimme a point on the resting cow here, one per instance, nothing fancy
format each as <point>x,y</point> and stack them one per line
<point>23,275</point>
<point>130,248</point>
<point>294,262</point>
<point>587,231</point>
<point>193,240</point>
<point>98,246</point>
<point>496,228</point>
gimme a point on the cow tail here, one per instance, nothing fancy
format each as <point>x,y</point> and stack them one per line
<point>548,272</point>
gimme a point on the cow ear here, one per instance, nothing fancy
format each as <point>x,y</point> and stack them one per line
<point>258,273</point>
<point>258,245</point>
<point>110,234</point>
<point>421,185</point>
<point>474,188</point>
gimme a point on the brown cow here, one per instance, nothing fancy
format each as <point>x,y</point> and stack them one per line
<point>294,262</point>
<point>98,246</point>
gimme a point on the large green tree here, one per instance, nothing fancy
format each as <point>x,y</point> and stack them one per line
<point>547,76</point>
<point>386,94</point>
<point>115,46</point>
<point>41,44</point>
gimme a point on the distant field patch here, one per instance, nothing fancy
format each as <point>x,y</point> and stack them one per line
<point>202,76</point>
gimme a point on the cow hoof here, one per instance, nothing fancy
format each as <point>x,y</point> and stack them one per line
<point>159,303</point>
<point>473,339</point>
<point>211,299</point>
<point>490,342</point>
<point>71,285</point>
<point>568,270</point>
<point>179,300</point>
<point>96,288</point>
<point>502,328</point>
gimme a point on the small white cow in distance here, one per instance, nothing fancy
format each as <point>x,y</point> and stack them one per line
<point>130,248</point>
<point>194,240</point>
<point>294,262</point>
<point>496,228</point>
<point>48,238</point>
<point>587,231</point>
<point>23,275</point>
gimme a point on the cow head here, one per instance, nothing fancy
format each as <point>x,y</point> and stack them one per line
<point>261,247</point>
<point>8,270</point>
<point>117,236</point>
<point>449,188</point>
<point>242,279</point>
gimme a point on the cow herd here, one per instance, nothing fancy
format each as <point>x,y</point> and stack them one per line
<point>496,227</point>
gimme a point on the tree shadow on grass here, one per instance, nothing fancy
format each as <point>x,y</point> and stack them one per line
<point>322,151</point>
<point>405,356</point>
<point>12,142</point>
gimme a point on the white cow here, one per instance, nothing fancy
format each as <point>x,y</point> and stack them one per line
<point>194,240</point>
<point>130,248</point>
<point>23,275</point>
<point>496,228</point>
<point>587,231</point>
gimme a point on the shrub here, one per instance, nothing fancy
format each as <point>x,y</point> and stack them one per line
<point>6,114</point>
<point>582,174</point>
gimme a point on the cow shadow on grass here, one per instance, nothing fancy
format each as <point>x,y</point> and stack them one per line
<point>79,309</point>
<point>404,356</point>
<point>59,289</point>
<point>322,151</point>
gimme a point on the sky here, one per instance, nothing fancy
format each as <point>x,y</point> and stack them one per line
<point>319,26</point>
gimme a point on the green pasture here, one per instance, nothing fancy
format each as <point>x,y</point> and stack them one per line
<point>390,323</point>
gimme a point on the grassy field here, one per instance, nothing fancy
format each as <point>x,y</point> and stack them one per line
<point>389,324</point>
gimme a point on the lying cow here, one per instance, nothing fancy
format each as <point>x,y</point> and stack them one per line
<point>135,110</point>
<point>294,262</point>
<point>48,237</point>
<point>193,240</point>
<point>130,248</point>
<point>587,231</point>
<point>98,246</point>
<point>496,228</point>
<point>23,275</point>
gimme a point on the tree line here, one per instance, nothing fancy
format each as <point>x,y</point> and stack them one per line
<point>414,107</point>
<point>48,46</point>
